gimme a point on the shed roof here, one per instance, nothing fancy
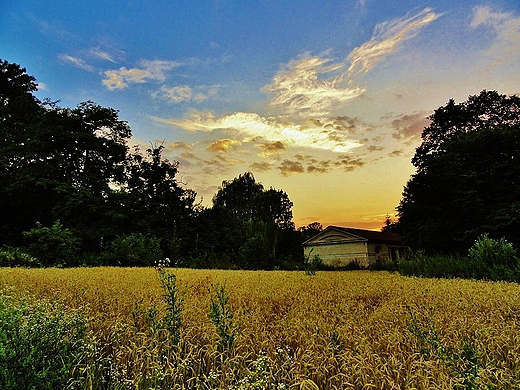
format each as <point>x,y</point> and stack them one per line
<point>371,235</point>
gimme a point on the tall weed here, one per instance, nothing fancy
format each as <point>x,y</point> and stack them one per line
<point>222,318</point>
<point>40,344</point>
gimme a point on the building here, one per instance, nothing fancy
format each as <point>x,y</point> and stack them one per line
<point>338,246</point>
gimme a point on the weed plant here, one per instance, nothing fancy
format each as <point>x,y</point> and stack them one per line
<point>174,305</point>
<point>222,318</point>
<point>40,344</point>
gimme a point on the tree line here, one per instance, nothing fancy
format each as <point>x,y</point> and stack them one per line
<point>74,192</point>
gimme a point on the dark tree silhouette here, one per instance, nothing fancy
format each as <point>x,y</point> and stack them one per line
<point>467,179</point>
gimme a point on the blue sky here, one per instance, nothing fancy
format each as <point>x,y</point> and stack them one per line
<point>323,99</point>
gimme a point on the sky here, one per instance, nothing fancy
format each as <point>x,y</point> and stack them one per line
<point>325,100</point>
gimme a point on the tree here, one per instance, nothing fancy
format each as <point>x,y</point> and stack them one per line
<point>488,109</point>
<point>157,204</point>
<point>248,199</point>
<point>239,195</point>
<point>391,225</point>
<point>74,166</point>
<point>274,206</point>
<point>56,163</point>
<point>467,179</point>
<point>266,216</point>
<point>311,229</point>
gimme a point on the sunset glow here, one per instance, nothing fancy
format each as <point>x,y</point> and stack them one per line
<point>324,100</point>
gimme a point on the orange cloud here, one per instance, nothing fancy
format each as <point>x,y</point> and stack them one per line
<point>223,145</point>
<point>179,145</point>
<point>289,167</point>
<point>271,148</point>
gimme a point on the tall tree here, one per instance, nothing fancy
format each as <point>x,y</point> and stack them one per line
<point>55,163</point>
<point>467,179</point>
<point>488,109</point>
<point>275,206</point>
<point>266,215</point>
<point>239,195</point>
<point>158,204</point>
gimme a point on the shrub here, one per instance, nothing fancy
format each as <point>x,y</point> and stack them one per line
<point>40,345</point>
<point>487,259</point>
<point>53,246</point>
<point>493,253</point>
<point>134,250</point>
<point>14,257</point>
<point>174,305</point>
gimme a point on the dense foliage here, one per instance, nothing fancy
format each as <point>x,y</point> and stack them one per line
<point>487,259</point>
<point>73,192</point>
<point>467,179</point>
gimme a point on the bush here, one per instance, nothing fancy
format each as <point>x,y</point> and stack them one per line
<point>40,345</point>
<point>53,246</point>
<point>134,250</point>
<point>16,257</point>
<point>440,266</point>
<point>487,259</point>
<point>493,253</point>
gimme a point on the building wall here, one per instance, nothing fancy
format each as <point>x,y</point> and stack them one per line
<point>378,252</point>
<point>339,254</point>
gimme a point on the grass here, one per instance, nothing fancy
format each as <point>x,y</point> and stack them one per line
<point>335,330</point>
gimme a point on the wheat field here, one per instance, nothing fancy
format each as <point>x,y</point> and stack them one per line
<point>332,330</point>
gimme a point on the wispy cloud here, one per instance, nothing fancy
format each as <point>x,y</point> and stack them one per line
<point>182,93</point>
<point>298,88</point>
<point>271,148</point>
<point>314,85</point>
<point>304,163</point>
<point>179,145</point>
<point>75,61</point>
<point>261,166</point>
<point>386,40</point>
<point>147,70</point>
<point>96,52</point>
<point>409,126</point>
<point>251,126</point>
<point>506,26</point>
<point>288,167</point>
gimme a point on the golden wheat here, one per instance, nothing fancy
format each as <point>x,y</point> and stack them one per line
<point>334,330</point>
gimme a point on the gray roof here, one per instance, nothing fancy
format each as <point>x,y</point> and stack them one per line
<point>371,235</point>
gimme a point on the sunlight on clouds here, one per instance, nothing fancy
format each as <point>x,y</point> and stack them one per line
<point>408,126</point>
<point>223,145</point>
<point>261,166</point>
<point>179,145</point>
<point>149,70</point>
<point>251,126</point>
<point>507,27</point>
<point>289,167</point>
<point>298,87</point>
<point>386,40</point>
<point>271,148</point>
<point>312,85</point>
